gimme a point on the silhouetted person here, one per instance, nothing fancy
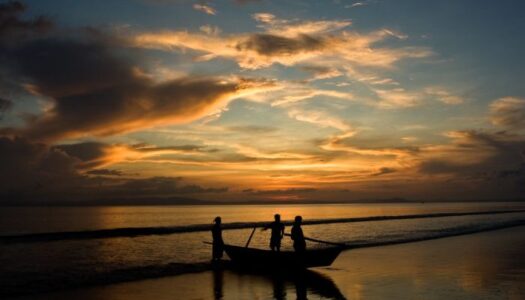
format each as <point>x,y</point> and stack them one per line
<point>277,233</point>
<point>299,243</point>
<point>218,243</point>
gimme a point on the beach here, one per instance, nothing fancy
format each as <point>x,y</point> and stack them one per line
<point>487,265</point>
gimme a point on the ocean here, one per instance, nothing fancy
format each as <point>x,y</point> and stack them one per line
<point>51,248</point>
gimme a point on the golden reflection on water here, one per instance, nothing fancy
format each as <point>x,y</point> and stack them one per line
<point>143,216</point>
<point>488,265</point>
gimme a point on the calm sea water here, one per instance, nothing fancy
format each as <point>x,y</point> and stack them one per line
<point>52,263</point>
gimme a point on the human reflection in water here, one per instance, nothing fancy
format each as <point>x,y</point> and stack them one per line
<point>218,243</point>
<point>279,288</point>
<point>300,287</point>
<point>299,244</point>
<point>218,283</point>
<point>304,281</point>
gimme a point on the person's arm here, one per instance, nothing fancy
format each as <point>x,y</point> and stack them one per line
<point>266,227</point>
<point>282,231</point>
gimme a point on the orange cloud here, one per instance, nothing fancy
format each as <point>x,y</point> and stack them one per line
<point>286,42</point>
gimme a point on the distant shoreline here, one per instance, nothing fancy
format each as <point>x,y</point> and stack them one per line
<point>195,202</point>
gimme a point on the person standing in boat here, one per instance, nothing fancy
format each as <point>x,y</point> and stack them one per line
<point>277,233</point>
<point>299,243</point>
<point>218,243</point>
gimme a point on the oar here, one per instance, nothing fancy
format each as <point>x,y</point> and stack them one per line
<point>250,239</point>
<point>321,241</point>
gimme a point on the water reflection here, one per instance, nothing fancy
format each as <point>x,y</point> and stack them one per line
<point>285,285</point>
<point>218,284</point>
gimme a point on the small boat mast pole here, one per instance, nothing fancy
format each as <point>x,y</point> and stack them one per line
<point>250,238</point>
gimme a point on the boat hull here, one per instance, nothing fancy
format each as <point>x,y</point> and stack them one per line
<point>250,257</point>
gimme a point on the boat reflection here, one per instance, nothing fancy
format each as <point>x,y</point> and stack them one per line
<point>285,285</point>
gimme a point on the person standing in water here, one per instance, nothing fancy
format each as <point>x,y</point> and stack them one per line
<point>277,233</point>
<point>299,243</point>
<point>218,243</point>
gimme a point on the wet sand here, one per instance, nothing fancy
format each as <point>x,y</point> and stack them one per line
<point>489,265</point>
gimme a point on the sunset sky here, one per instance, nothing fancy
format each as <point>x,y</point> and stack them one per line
<point>332,100</point>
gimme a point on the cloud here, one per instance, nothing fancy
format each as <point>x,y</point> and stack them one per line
<point>210,30</point>
<point>95,91</point>
<point>322,72</point>
<point>5,105</point>
<point>356,4</point>
<point>30,167</point>
<point>105,172</point>
<point>441,94</point>
<point>205,9</point>
<point>475,154</point>
<point>508,112</point>
<point>282,191</point>
<point>320,118</point>
<point>292,28</point>
<point>37,172</point>
<point>383,171</point>
<point>397,97</point>
<point>12,27</point>
<point>253,129</point>
<point>87,154</point>
<point>158,186</point>
<point>287,42</point>
<point>96,155</point>
<point>274,45</point>
<point>287,94</point>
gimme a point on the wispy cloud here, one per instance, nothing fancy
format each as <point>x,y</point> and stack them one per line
<point>205,8</point>
<point>508,112</point>
<point>356,4</point>
<point>443,95</point>
<point>287,42</point>
<point>320,118</point>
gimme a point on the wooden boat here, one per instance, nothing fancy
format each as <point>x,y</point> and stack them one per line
<point>259,258</point>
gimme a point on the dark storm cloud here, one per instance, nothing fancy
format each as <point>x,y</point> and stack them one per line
<point>36,172</point>
<point>12,26</point>
<point>96,93</point>
<point>158,186</point>
<point>95,86</point>
<point>5,105</point>
<point>269,44</point>
<point>29,167</point>
<point>84,151</point>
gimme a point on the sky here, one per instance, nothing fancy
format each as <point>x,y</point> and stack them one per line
<point>246,100</point>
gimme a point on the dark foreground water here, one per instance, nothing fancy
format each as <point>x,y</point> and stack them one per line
<point>47,249</point>
<point>486,265</point>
